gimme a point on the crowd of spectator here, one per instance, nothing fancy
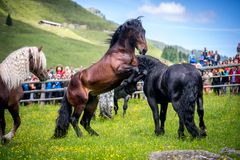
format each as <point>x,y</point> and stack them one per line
<point>219,76</point>
<point>54,74</point>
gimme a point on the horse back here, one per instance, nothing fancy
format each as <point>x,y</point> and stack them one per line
<point>153,85</point>
<point>182,78</point>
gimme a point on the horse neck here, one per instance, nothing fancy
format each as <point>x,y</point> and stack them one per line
<point>151,65</point>
<point>13,71</point>
<point>124,42</point>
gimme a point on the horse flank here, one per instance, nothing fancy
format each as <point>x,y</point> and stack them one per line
<point>15,68</point>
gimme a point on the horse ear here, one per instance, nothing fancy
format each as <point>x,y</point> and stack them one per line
<point>40,48</point>
<point>139,17</point>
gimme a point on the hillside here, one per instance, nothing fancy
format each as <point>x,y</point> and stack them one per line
<point>67,45</point>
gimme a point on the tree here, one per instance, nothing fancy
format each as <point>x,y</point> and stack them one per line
<point>9,20</point>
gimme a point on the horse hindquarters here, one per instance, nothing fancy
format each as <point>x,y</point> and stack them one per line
<point>63,120</point>
<point>185,107</point>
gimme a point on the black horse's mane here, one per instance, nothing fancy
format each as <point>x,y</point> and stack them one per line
<point>149,62</point>
<point>132,23</point>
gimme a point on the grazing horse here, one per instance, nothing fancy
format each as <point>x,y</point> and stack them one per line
<point>13,70</point>
<point>180,84</point>
<point>118,63</point>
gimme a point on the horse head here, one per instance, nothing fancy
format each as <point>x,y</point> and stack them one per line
<point>136,33</point>
<point>37,63</point>
<point>133,31</point>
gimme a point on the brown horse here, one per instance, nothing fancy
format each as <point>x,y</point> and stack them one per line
<point>13,70</point>
<point>117,64</point>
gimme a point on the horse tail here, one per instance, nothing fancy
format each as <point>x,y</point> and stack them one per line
<point>63,120</point>
<point>189,99</point>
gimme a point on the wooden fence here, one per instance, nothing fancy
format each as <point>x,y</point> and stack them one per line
<point>42,98</point>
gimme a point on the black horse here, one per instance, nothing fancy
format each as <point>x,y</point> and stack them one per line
<point>180,84</point>
<point>124,92</point>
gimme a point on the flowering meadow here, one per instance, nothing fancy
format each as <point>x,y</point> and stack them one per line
<point>129,137</point>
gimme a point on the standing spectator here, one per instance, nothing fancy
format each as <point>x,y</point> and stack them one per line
<point>216,81</point>
<point>201,59</point>
<point>209,57</point>
<point>238,49</point>
<point>32,86</point>
<point>67,73</point>
<point>216,58</point>
<point>192,58</point>
<point>233,80</point>
<point>25,87</point>
<point>225,79</point>
<point>49,85</point>
<point>58,85</point>
<point>206,81</point>
<point>59,70</point>
<point>205,53</point>
<point>238,72</point>
<point>72,71</point>
<point>236,59</point>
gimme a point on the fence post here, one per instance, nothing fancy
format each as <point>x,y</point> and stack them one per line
<point>42,94</point>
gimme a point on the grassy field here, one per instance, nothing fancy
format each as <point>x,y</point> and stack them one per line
<point>131,137</point>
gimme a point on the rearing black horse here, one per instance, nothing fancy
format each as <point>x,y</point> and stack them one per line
<point>180,84</point>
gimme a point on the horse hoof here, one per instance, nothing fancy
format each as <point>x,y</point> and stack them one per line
<point>94,134</point>
<point>203,133</point>
<point>59,134</point>
<point>160,132</point>
<point>4,141</point>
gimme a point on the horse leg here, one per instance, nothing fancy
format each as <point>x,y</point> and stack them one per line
<point>187,112</point>
<point>200,112</point>
<point>63,120</point>
<point>180,113</point>
<point>163,113</point>
<point>2,123</point>
<point>154,107</point>
<point>89,110</point>
<point>125,105</point>
<point>75,118</point>
<point>115,104</point>
<point>14,111</point>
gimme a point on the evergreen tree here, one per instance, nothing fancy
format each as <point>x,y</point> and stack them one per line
<point>9,20</point>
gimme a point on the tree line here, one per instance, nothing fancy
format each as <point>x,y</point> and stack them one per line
<point>172,54</point>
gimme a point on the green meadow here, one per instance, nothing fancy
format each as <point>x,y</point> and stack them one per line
<point>129,137</point>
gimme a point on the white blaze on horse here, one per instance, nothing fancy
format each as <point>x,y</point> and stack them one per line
<point>14,70</point>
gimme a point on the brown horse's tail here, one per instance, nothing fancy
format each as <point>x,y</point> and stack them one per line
<point>63,120</point>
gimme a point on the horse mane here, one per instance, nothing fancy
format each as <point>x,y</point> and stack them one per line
<point>132,23</point>
<point>16,68</point>
<point>148,62</point>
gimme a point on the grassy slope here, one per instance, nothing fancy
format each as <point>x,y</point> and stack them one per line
<point>57,11</point>
<point>131,137</point>
<point>61,45</point>
<point>58,50</point>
